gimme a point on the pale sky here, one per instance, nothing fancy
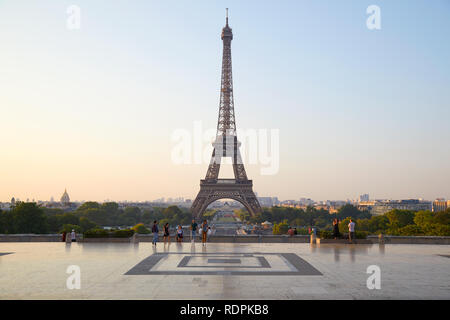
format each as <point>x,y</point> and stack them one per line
<point>93,110</point>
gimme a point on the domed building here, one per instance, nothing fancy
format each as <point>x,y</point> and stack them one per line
<point>65,200</point>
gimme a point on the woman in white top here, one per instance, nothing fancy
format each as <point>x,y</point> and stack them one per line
<point>73,236</point>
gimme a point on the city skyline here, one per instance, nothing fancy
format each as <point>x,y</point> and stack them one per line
<point>358,110</point>
<point>178,198</point>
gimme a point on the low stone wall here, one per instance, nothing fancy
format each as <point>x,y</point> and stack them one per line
<point>231,239</point>
<point>30,238</point>
<point>108,240</point>
<point>343,241</point>
<point>411,240</point>
<point>236,238</point>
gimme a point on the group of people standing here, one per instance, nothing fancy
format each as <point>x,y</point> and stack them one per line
<point>72,238</point>
<point>204,230</point>
<point>351,230</point>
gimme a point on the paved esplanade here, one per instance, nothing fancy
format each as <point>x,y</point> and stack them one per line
<point>223,271</point>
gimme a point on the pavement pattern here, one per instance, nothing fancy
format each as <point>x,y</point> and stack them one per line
<point>223,271</point>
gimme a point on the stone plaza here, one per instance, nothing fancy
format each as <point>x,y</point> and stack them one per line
<point>223,271</point>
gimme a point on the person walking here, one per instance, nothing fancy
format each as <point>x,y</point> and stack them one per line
<point>64,236</point>
<point>351,231</point>
<point>166,233</point>
<point>204,227</point>
<point>193,230</point>
<point>155,232</point>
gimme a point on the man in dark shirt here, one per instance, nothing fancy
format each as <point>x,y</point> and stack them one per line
<point>193,230</point>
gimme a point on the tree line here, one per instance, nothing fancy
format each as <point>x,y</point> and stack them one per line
<point>28,217</point>
<point>302,218</point>
<point>394,222</point>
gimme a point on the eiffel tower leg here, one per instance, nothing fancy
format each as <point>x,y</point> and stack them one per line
<point>253,203</point>
<point>197,205</point>
<point>214,166</point>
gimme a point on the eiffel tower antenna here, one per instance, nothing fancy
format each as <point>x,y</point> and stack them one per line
<point>226,145</point>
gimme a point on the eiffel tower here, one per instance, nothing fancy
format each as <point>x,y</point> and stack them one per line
<point>226,145</point>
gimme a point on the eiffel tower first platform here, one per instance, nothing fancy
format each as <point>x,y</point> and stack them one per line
<point>226,145</point>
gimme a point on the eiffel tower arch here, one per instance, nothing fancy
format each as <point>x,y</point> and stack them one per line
<point>226,145</point>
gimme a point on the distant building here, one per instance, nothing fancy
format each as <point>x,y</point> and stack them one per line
<point>379,207</point>
<point>13,201</point>
<point>440,204</point>
<point>306,202</point>
<point>266,201</point>
<point>364,197</point>
<point>65,199</point>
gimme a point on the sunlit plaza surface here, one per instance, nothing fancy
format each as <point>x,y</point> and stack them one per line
<point>223,271</point>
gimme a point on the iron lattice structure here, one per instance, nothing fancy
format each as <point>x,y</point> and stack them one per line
<point>226,145</point>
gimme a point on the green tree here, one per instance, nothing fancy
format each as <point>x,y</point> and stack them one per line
<point>171,211</point>
<point>423,218</point>
<point>86,224</point>
<point>56,222</point>
<point>98,216</point>
<point>53,211</point>
<point>140,228</point>
<point>7,222</point>
<point>378,224</point>
<point>351,211</point>
<point>442,217</point>
<point>410,230</point>
<point>69,227</point>
<point>29,218</point>
<point>147,217</point>
<point>89,205</point>
<point>281,228</point>
<point>399,219</point>
<point>133,213</point>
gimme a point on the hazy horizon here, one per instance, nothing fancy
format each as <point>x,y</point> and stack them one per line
<point>94,110</point>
